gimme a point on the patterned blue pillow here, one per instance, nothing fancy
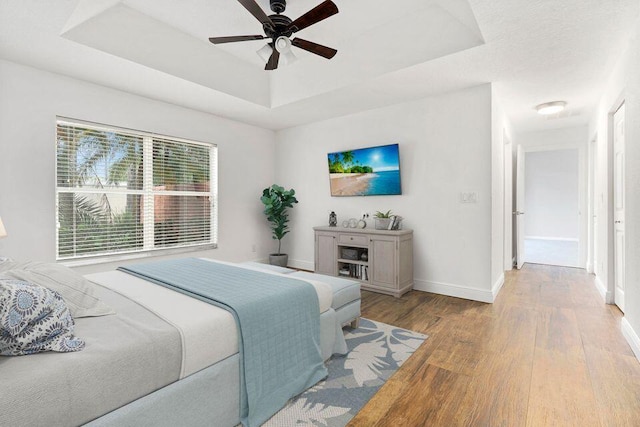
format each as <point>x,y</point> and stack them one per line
<point>34,319</point>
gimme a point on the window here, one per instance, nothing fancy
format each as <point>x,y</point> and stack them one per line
<point>122,191</point>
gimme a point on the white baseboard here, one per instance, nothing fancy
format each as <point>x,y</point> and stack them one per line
<point>454,290</point>
<point>589,267</point>
<point>631,336</point>
<point>434,287</point>
<point>602,290</point>
<point>495,289</point>
<point>564,239</point>
<point>302,265</point>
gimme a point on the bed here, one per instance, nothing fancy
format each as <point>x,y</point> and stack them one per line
<point>163,358</point>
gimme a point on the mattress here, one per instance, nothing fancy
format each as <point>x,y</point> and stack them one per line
<point>208,333</point>
<point>127,355</point>
<point>156,337</point>
<point>213,393</point>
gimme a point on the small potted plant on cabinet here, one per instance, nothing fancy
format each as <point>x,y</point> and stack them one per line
<point>382,219</point>
<point>276,202</point>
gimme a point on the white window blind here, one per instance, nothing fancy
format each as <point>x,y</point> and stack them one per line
<point>124,191</point>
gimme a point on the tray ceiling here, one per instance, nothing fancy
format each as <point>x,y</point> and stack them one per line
<point>533,51</point>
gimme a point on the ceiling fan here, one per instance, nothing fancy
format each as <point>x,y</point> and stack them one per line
<point>279,28</point>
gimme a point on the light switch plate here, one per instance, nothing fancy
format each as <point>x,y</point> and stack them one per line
<point>469,197</point>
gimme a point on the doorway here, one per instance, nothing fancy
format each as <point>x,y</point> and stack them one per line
<point>552,223</point>
<point>552,192</point>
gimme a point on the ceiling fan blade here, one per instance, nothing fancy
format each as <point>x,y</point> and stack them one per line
<point>231,39</point>
<point>257,12</point>
<point>316,48</point>
<point>272,63</point>
<point>317,14</point>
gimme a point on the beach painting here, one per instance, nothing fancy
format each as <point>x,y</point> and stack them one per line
<point>373,171</point>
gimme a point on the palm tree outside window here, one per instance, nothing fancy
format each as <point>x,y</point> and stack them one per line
<point>124,191</point>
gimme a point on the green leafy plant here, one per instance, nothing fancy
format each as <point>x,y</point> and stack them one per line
<point>386,214</point>
<point>276,202</point>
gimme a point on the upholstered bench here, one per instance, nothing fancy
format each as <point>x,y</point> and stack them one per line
<point>267,267</point>
<point>346,293</point>
<point>346,296</point>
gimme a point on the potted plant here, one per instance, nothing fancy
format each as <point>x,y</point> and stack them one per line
<point>276,202</point>
<point>382,220</point>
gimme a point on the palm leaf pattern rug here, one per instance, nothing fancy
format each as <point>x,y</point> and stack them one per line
<point>376,351</point>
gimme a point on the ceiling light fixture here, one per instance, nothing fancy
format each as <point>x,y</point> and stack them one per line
<point>551,107</point>
<point>279,28</point>
<point>265,52</point>
<point>283,45</point>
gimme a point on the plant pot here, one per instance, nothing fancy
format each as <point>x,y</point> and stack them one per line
<point>382,223</point>
<point>279,259</point>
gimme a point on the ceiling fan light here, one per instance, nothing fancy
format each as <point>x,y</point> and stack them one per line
<point>265,52</point>
<point>288,58</point>
<point>551,107</point>
<point>283,44</point>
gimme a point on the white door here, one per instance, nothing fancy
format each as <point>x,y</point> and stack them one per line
<point>618,206</point>
<point>519,213</point>
<point>508,203</point>
<point>592,258</point>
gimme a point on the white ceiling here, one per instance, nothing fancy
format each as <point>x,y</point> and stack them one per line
<point>388,52</point>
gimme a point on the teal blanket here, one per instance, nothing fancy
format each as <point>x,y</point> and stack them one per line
<point>278,322</point>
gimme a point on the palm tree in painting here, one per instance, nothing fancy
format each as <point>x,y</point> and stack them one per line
<point>347,158</point>
<point>336,165</point>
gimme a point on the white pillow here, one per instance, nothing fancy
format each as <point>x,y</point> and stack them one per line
<point>6,263</point>
<point>77,291</point>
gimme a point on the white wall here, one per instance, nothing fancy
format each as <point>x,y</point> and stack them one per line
<point>551,188</point>
<point>623,85</point>
<point>445,149</point>
<point>31,99</point>
<point>570,137</point>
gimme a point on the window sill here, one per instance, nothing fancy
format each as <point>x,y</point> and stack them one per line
<point>104,259</point>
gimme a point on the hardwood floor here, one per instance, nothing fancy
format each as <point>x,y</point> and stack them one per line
<point>548,352</point>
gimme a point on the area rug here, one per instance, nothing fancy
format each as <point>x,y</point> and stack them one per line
<point>376,351</point>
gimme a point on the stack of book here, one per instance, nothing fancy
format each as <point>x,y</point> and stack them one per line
<point>395,223</point>
<point>360,272</point>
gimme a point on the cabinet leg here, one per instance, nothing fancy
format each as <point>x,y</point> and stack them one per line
<point>355,323</point>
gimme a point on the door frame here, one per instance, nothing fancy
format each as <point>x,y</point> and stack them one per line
<point>612,214</point>
<point>583,220</point>
<point>519,206</point>
<point>607,220</point>
<point>508,207</point>
<point>592,215</point>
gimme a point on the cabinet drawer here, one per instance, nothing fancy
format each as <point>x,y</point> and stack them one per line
<point>353,239</point>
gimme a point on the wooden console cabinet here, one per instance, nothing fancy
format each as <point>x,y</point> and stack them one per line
<point>381,260</point>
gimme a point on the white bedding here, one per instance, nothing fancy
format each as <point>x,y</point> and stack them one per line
<point>208,333</point>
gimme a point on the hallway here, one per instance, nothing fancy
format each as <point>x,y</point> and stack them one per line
<point>552,252</point>
<point>548,352</point>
